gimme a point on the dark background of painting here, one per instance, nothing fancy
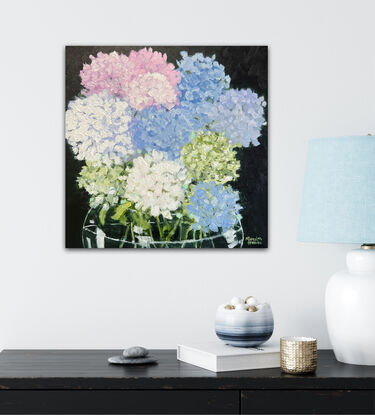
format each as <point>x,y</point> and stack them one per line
<point>247,67</point>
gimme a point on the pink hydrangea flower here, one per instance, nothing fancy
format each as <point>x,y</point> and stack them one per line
<point>150,89</point>
<point>105,72</point>
<point>144,78</point>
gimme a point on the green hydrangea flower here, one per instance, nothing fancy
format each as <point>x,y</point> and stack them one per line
<point>105,184</point>
<point>210,156</point>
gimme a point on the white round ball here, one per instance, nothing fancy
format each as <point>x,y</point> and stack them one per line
<point>252,301</point>
<point>237,300</point>
<point>241,306</point>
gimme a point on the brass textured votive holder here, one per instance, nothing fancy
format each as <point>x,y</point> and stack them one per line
<point>298,354</point>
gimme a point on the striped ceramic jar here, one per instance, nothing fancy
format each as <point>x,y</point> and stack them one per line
<point>244,328</point>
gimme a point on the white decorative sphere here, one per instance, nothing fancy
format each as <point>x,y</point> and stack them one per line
<point>252,301</point>
<point>237,300</point>
<point>241,306</point>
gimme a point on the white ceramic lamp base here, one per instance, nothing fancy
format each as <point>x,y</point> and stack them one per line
<point>350,309</point>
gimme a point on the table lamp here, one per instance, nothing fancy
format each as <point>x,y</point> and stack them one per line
<point>338,206</point>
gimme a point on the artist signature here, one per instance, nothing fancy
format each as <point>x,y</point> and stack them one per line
<point>254,241</point>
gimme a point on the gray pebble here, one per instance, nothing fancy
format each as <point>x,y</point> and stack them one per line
<point>135,351</point>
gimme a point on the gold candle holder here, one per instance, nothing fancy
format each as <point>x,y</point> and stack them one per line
<point>298,354</point>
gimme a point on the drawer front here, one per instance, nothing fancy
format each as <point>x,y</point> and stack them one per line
<point>308,402</point>
<point>119,402</point>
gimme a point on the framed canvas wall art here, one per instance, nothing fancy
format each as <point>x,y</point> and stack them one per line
<point>166,147</point>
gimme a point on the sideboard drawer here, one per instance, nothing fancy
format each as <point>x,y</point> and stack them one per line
<point>308,402</point>
<point>118,402</point>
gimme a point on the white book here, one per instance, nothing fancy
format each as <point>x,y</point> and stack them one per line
<point>219,357</point>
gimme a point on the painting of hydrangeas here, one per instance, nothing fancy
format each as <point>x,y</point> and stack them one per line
<point>166,147</point>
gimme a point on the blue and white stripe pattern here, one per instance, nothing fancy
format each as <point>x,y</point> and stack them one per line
<point>243,328</point>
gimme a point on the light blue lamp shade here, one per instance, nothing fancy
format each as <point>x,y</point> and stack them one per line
<point>338,203</point>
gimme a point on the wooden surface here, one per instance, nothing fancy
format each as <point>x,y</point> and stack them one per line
<point>89,369</point>
<point>53,381</point>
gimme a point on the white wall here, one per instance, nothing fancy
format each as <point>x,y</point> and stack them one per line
<point>321,78</point>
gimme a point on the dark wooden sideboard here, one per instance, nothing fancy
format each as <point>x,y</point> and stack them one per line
<point>82,382</point>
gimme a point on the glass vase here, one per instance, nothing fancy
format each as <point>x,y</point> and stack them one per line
<point>117,235</point>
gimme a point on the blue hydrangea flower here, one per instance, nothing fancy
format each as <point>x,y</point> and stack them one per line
<point>214,207</point>
<point>203,81</point>
<point>239,115</point>
<point>164,130</point>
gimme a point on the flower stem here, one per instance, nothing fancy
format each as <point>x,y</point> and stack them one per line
<point>187,232</point>
<point>125,236</point>
<point>132,233</point>
<point>173,230</point>
<point>159,227</point>
<point>200,238</point>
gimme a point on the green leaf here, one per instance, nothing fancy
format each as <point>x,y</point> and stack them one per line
<point>102,215</point>
<point>166,227</point>
<point>120,210</point>
<point>143,223</point>
<point>123,220</point>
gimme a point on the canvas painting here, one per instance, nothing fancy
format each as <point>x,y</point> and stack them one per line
<point>166,147</point>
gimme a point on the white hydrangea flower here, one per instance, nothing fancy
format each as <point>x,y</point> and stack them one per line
<point>156,183</point>
<point>97,128</point>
